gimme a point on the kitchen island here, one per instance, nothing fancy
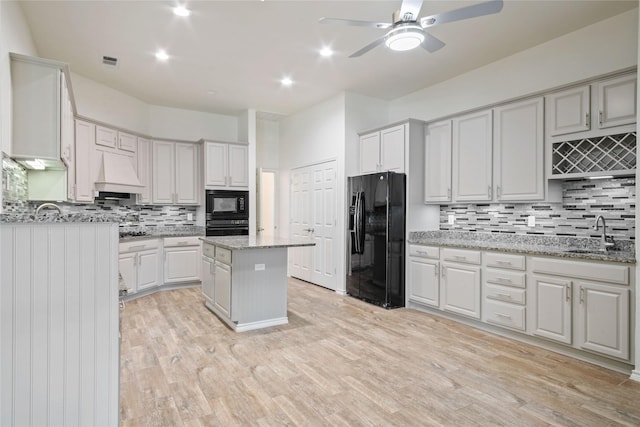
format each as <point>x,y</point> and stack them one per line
<point>244,279</point>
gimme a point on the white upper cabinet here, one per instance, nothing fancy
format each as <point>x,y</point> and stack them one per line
<point>616,101</point>
<point>127,142</point>
<point>383,150</point>
<point>518,144</point>
<point>472,157</point>
<point>82,179</point>
<point>226,165</point>
<point>144,170</point>
<point>437,163</point>
<point>604,107</point>
<point>569,111</point>
<point>175,173</point>
<point>106,137</point>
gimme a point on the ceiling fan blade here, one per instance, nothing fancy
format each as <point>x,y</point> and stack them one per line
<point>410,10</point>
<point>481,9</point>
<point>355,22</point>
<point>431,43</point>
<point>368,47</point>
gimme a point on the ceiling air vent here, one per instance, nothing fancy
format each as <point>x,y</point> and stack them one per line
<point>110,61</point>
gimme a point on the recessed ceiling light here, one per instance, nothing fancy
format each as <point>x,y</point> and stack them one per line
<point>286,81</point>
<point>161,55</point>
<point>181,11</point>
<point>212,92</point>
<point>326,51</point>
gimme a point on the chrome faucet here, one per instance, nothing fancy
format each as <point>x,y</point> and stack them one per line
<point>48,205</point>
<point>606,241</point>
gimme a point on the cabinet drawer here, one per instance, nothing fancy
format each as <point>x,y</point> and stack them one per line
<point>500,260</point>
<point>182,241</point>
<point>223,255</point>
<point>424,251</point>
<point>505,277</point>
<point>601,272</point>
<point>461,255</point>
<point>139,245</point>
<point>505,314</point>
<point>505,293</point>
<point>209,250</point>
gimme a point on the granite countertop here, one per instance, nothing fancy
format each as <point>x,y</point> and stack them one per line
<point>50,217</point>
<point>529,245</point>
<point>255,242</point>
<point>154,232</point>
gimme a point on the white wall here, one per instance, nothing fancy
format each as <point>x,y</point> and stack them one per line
<point>175,123</point>
<point>267,146</point>
<point>607,46</point>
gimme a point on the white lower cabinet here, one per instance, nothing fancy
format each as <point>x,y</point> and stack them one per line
<point>424,275</point>
<point>222,288</point>
<point>207,273</point>
<point>504,290</point>
<point>575,305</point>
<point>140,264</point>
<point>461,289</point>
<point>181,259</point>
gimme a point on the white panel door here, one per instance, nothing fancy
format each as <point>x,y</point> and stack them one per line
<point>106,136</point>
<point>603,323</point>
<point>424,282</point>
<point>149,269</point>
<point>127,142</point>
<point>617,101</point>
<point>216,164</point>
<point>323,212</point>
<point>85,139</point>
<point>518,143</point>
<point>163,172</point>
<point>392,146</point>
<point>437,163</point>
<point>472,157</point>
<point>181,264</point>
<point>238,165</point>
<point>553,308</point>
<point>461,290</point>
<point>128,270</point>
<point>187,186</point>
<point>301,223</point>
<point>568,111</point>
<point>207,272</point>
<point>370,153</point>
<point>222,288</point>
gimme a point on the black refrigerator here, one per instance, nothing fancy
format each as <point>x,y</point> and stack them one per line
<point>375,270</point>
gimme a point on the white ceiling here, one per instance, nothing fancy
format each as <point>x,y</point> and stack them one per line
<point>239,50</point>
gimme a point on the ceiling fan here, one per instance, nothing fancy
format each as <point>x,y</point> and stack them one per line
<point>407,31</point>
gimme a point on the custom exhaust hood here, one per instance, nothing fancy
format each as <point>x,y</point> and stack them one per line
<point>117,174</point>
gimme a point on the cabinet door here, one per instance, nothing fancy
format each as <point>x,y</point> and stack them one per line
<point>127,264</point>
<point>222,288</point>
<point>424,282</point>
<point>187,182</point>
<point>163,172</point>
<point>216,164</point>
<point>392,146</point>
<point>553,308</point>
<point>603,322</point>
<point>149,269</point>
<point>144,170</point>
<point>181,264</point>
<point>67,140</point>
<point>238,165</point>
<point>207,273</point>
<point>472,157</point>
<point>437,163</point>
<point>461,289</point>
<point>617,101</point>
<point>106,137</point>
<point>370,153</point>
<point>568,111</point>
<point>127,142</point>
<point>518,142</point>
<point>85,139</point>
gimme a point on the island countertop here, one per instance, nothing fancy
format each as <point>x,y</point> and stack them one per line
<point>255,242</point>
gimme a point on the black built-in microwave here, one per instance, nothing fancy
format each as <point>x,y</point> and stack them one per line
<point>227,212</point>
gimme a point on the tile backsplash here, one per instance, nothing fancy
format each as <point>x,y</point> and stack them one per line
<point>582,201</point>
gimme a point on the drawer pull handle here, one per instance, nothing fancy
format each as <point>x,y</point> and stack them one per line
<point>183,243</point>
<point>503,262</point>
<point>506,316</point>
<point>422,253</point>
<point>460,258</point>
<point>503,279</point>
<point>136,248</point>
<point>507,296</point>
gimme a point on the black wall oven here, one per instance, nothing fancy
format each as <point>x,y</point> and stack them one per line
<point>227,213</point>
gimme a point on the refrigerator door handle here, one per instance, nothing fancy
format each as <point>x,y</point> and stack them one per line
<point>361,209</point>
<point>356,224</point>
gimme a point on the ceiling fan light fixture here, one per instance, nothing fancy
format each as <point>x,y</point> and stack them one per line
<point>405,37</point>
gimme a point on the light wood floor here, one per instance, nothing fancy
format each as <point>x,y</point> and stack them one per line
<point>343,362</point>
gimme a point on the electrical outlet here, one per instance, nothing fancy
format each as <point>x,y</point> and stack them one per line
<point>451,219</point>
<point>189,216</point>
<point>531,221</point>
<point>259,267</point>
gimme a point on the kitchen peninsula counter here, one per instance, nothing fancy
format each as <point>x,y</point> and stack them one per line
<point>245,279</point>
